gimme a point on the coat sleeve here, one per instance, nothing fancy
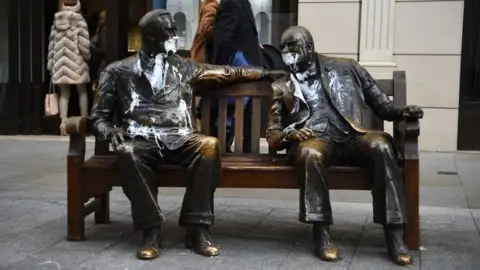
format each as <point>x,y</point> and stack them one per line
<point>225,26</point>
<point>103,109</point>
<point>206,75</point>
<point>381,105</point>
<point>51,48</point>
<point>83,39</point>
<point>275,134</point>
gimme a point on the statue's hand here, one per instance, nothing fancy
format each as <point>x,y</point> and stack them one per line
<point>412,111</point>
<point>274,74</point>
<point>117,138</point>
<point>300,135</point>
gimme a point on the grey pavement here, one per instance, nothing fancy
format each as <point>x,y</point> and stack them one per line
<point>256,229</point>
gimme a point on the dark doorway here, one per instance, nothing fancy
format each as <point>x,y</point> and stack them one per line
<point>469,105</point>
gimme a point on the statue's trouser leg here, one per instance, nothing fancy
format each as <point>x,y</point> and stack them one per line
<point>136,162</point>
<point>311,158</point>
<point>376,151</point>
<point>201,156</point>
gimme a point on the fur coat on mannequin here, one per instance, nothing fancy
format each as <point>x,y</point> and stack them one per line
<point>69,47</point>
<point>203,36</point>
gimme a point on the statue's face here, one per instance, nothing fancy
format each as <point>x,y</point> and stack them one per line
<point>162,35</point>
<point>296,51</point>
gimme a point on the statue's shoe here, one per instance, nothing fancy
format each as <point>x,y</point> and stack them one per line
<point>327,253</point>
<point>199,240</point>
<point>151,244</point>
<point>324,249</point>
<point>397,250</point>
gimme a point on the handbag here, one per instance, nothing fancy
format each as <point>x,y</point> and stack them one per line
<point>51,101</point>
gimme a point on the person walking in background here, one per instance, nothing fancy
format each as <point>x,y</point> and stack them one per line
<point>236,43</point>
<point>201,51</point>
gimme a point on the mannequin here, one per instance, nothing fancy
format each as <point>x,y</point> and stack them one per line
<point>68,56</point>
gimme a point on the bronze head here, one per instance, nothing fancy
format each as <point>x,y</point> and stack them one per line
<point>297,48</point>
<point>158,32</point>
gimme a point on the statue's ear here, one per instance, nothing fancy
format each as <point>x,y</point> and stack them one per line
<point>309,47</point>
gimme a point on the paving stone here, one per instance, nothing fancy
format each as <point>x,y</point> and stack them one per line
<point>53,259</point>
<point>371,252</point>
<point>119,256</point>
<point>257,253</point>
<point>451,255</point>
<point>100,237</point>
<point>30,220</point>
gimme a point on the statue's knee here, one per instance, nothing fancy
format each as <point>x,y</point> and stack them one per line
<point>382,144</point>
<point>125,148</point>
<point>210,148</point>
<point>312,155</point>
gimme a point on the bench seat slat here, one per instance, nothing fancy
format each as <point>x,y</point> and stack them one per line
<point>257,172</point>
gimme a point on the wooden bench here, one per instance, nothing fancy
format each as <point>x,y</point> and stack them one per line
<point>89,181</point>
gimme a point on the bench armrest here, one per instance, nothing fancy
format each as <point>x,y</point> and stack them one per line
<point>406,133</point>
<point>77,125</point>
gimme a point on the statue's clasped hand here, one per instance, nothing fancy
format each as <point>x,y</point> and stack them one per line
<point>412,111</point>
<point>116,138</point>
<point>299,135</point>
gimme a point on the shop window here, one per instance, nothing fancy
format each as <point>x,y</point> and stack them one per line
<point>185,14</point>
<point>263,26</point>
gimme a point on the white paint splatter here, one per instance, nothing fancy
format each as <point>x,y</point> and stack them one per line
<point>135,102</point>
<point>51,262</point>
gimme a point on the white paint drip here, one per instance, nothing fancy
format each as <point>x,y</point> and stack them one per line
<point>135,102</point>
<point>171,45</point>
<point>157,76</point>
<point>184,113</point>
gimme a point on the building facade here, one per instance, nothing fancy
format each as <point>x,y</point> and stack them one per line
<point>434,41</point>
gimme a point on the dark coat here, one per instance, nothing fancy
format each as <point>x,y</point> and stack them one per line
<point>235,29</point>
<point>350,88</point>
<point>164,113</point>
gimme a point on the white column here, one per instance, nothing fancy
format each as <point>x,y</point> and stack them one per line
<point>377,37</point>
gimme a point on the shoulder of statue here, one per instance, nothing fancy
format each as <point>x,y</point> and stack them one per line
<point>281,84</point>
<point>336,63</point>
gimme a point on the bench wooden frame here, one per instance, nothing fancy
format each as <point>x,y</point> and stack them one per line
<point>90,181</point>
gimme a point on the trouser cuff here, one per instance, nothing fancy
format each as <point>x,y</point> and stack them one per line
<point>195,218</point>
<point>316,218</point>
<point>146,223</point>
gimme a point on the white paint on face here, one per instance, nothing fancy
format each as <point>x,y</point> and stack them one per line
<point>171,45</point>
<point>290,59</point>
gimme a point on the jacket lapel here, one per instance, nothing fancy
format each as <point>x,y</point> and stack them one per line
<point>324,68</point>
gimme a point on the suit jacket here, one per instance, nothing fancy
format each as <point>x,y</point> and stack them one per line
<point>160,113</point>
<point>350,88</point>
<point>235,29</point>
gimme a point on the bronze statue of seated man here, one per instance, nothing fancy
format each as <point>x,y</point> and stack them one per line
<point>316,114</point>
<point>152,93</point>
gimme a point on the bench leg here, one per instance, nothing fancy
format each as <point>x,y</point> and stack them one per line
<point>75,216</point>
<point>412,228</point>
<point>102,214</point>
